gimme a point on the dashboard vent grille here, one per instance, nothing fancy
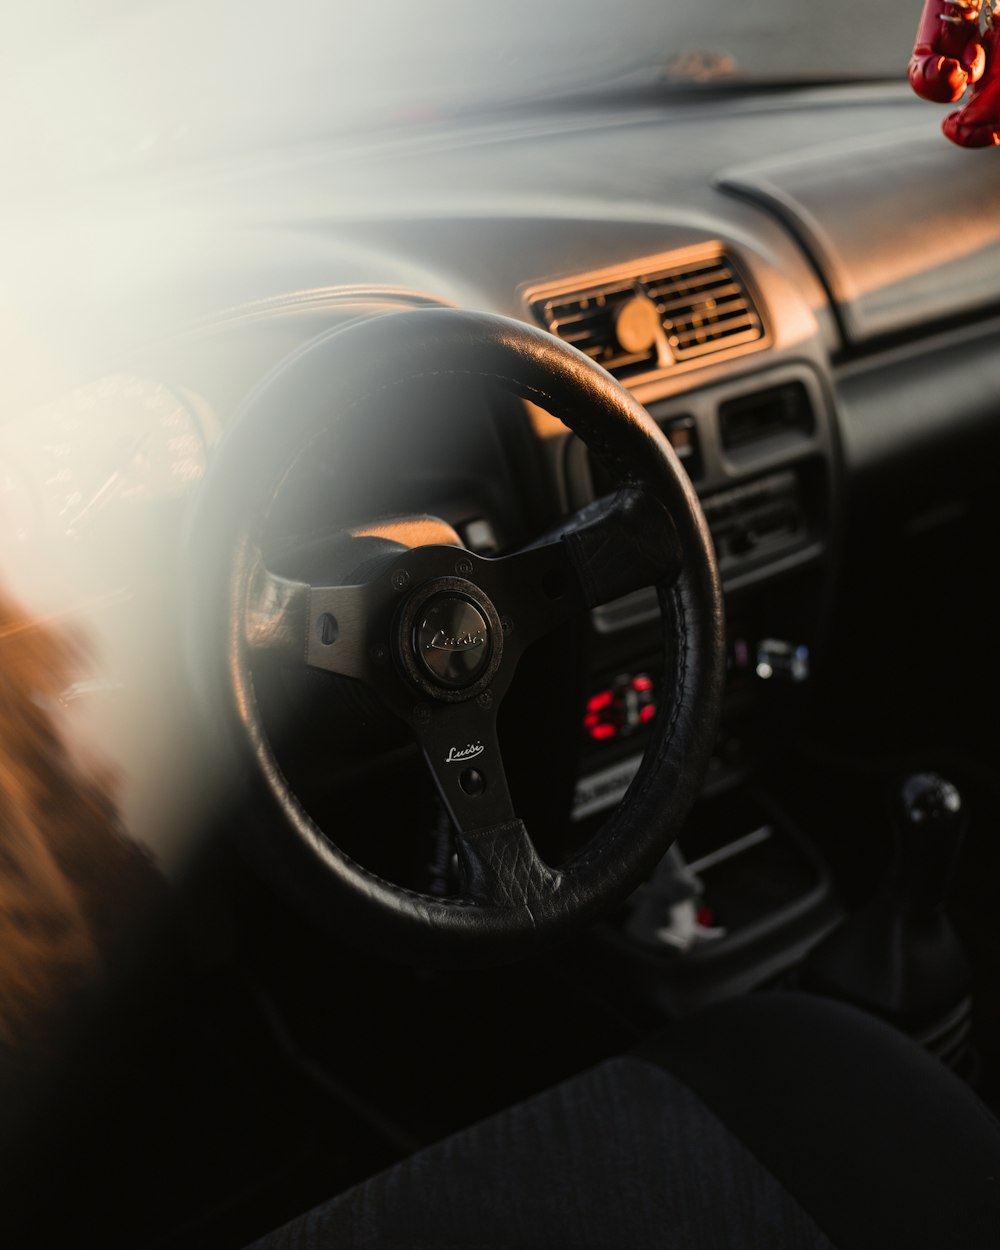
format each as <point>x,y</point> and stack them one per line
<point>645,320</point>
<point>588,320</point>
<point>703,308</point>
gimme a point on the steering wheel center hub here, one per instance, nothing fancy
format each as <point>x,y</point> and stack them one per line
<point>452,640</point>
<point>449,639</point>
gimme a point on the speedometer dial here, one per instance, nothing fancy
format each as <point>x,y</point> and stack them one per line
<point>104,449</point>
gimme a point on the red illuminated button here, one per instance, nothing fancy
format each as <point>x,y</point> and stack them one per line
<point>629,704</point>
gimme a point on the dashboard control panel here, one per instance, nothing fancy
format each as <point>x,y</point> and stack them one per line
<point>764,516</point>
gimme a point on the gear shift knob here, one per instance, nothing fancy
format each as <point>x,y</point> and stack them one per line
<point>929,820</point>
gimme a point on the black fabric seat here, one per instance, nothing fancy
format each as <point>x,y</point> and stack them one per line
<point>772,1121</point>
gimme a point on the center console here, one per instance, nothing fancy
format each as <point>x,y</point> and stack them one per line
<point>743,895</point>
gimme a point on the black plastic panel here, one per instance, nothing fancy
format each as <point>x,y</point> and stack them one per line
<point>902,227</point>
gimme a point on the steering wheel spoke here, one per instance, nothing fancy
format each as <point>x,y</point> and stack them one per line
<point>536,590</point>
<point>348,630</point>
<point>459,742</point>
<point>498,859</point>
<point>334,628</point>
<point>499,863</point>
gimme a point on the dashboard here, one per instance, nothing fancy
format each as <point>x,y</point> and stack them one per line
<point>826,374</point>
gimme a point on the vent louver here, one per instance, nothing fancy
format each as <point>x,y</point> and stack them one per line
<point>654,316</point>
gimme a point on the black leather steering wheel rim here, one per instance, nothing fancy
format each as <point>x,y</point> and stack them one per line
<point>498,918</point>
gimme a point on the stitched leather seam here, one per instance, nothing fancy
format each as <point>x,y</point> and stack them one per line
<point>405,891</point>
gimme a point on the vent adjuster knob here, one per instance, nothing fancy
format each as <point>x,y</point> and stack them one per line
<point>637,325</point>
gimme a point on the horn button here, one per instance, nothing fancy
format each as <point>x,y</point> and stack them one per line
<point>450,639</point>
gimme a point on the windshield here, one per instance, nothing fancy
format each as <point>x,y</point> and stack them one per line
<point>96,83</point>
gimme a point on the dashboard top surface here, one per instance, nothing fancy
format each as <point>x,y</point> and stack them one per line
<point>468,213</point>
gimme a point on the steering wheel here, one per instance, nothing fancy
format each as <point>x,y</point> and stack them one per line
<point>436,632</point>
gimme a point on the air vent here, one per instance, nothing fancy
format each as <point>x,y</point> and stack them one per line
<point>703,308</point>
<point>591,321</point>
<point>651,318</point>
<point>775,415</point>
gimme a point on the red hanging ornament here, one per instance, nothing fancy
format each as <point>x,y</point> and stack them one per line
<point>948,56</point>
<point>977,123</point>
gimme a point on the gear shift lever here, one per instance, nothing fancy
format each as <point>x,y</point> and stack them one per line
<point>899,957</point>
<point>930,820</point>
